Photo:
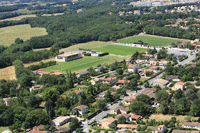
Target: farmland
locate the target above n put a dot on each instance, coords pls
(118, 50)
(151, 40)
(19, 17)
(82, 64)
(8, 73)
(9, 34)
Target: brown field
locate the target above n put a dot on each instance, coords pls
(19, 17)
(162, 117)
(8, 73)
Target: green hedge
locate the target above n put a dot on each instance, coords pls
(94, 114)
(103, 54)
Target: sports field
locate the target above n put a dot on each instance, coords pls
(119, 50)
(9, 34)
(152, 41)
(82, 64)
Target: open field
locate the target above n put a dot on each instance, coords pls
(119, 50)
(3, 129)
(151, 40)
(162, 117)
(8, 73)
(19, 17)
(88, 45)
(9, 34)
(82, 64)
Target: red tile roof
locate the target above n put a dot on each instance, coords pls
(136, 117)
(42, 71)
(181, 83)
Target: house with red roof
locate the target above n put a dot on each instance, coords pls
(179, 85)
(133, 67)
(135, 117)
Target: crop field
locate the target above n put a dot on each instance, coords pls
(9, 34)
(151, 40)
(82, 64)
(119, 50)
(8, 73)
(19, 17)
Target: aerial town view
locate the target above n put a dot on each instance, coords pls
(99, 66)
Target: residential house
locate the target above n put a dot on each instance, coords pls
(42, 72)
(99, 69)
(159, 129)
(163, 63)
(153, 61)
(133, 67)
(184, 131)
(179, 85)
(79, 92)
(137, 12)
(122, 82)
(59, 121)
(148, 70)
(96, 80)
(160, 82)
(184, 44)
(129, 127)
(149, 92)
(113, 76)
(82, 73)
(36, 87)
(135, 117)
(154, 68)
(8, 100)
(129, 100)
(38, 128)
(119, 110)
(109, 80)
(106, 122)
(172, 77)
(194, 125)
(82, 109)
(128, 117)
(102, 94)
(147, 55)
(128, 61)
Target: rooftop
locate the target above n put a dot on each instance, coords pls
(136, 117)
(161, 81)
(108, 120)
(127, 126)
(125, 115)
(81, 107)
(70, 53)
(121, 108)
(78, 91)
(180, 83)
(131, 65)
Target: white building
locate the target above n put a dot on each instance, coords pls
(82, 109)
(133, 67)
(68, 56)
(59, 121)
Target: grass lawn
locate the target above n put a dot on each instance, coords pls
(82, 64)
(9, 34)
(119, 50)
(3, 129)
(152, 41)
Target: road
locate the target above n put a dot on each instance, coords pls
(104, 113)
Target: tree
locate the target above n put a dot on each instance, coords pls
(37, 117)
(146, 85)
(132, 85)
(119, 71)
(139, 107)
(112, 126)
(162, 96)
(182, 106)
(74, 123)
(178, 94)
(101, 104)
(122, 119)
(143, 98)
(18, 41)
(51, 95)
(164, 107)
(195, 108)
(108, 96)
